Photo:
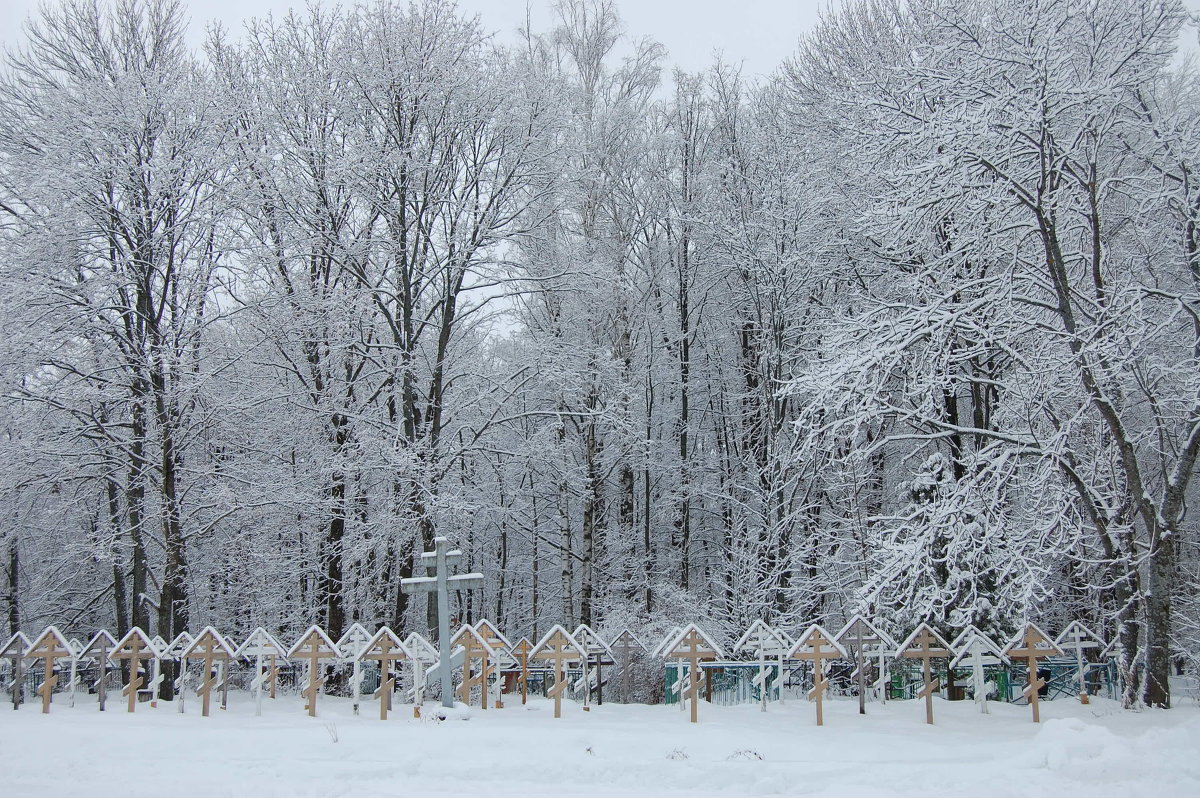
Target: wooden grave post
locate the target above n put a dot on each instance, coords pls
(135, 647)
(660, 652)
(502, 648)
(174, 652)
(14, 649)
(817, 646)
(49, 646)
(351, 645)
(313, 647)
(521, 650)
(156, 675)
(261, 645)
(866, 639)
(627, 647)
(441, 584)
(593, 646)
(1032, 644)
(926, 645)
(98, 649)
(76, 647)
(764, 642)
(559, 647)
(211, 649)
(1076, 638)
(982, 651)
(474, 648)
(386, 649)
(421, 654)
(692, 646)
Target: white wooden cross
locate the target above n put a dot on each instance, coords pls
(156, 675)
(1077, 637)
(351, 645)
(422, 654)
(867, 640)
(76, 647)
(440, 561)
(926, 645)
(1032, 644)
(559, 647)
(49, 646)
(313, 647)
(15, 649)
(983, 651)
(175, 651)
(98, 649)
(764, 642)
(817, 645)
(259, 645)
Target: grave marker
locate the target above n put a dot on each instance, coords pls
(49, 646)
(983, 651)
(174, 651)
(764, 642)
(135, 646)
(1032, 644)
(627, 647)
(351, 645)
(14, 649)
(76, 647)
(474, 648)
(926, 645)
(313, 647)
(212, 650)
(866, 640)
(440, 561)
(262, 645)
(503, 651)
(817, 646)
(592, 645)
(558, 647)
(522, 650)
(1077, 637)
(692, 646)
(98, 649)
(384, 648)
(421, 654)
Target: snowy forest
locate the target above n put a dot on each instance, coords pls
(910, 327)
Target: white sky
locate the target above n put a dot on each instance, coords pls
(757, 33)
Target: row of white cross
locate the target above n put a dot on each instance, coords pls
(859, 640)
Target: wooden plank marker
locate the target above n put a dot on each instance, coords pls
(421, 654)
(764, 642)
(14, 649)
(594, 649)
(1032, 644)
(174, 652)
(505, 659)
(926, 645)
(982, 651)
(134, 647)
(98, 649)
(76, 647)
(558, 647)
(475, 649)
(313, 647)
(386, 649)
(817, 646)
(627, 648)
(521, 650)
(212, 651)
(866, 641)
(265, 650)
(1076, 638)
(693, 647)
(441, 584)
(351, 645)
(49, 647)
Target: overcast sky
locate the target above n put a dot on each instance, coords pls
(758, 33)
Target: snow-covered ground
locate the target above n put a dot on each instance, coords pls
(614, 750)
